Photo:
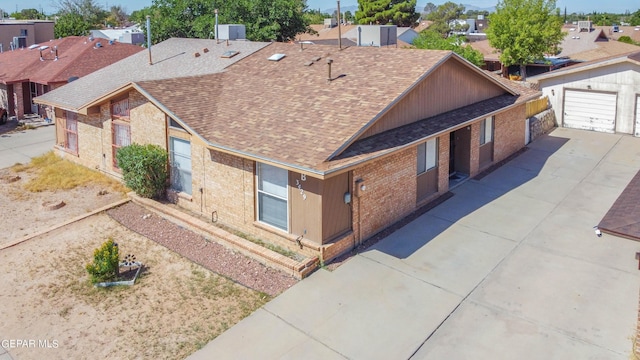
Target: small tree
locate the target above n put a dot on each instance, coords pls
(524, 31)
(106, 262)
(144, 169)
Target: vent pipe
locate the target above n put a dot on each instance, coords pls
(216, 34)
(41, 58)
(149, 38)
(329, 62)
(56, 49)
(339, 28)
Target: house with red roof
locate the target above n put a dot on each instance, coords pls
(312, 148)
(32, 71)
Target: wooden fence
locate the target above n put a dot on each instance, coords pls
(537, 106)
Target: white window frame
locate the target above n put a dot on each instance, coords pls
(185, 188)
(427, 155)
(281, 194)
(71, 131)
(486, 130)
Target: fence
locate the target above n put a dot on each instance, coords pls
(537, 106)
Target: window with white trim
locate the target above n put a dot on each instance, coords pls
(121, 137)
(180, 157)
(71, 131)
(486, 130)
(273, 207)
(427, 155)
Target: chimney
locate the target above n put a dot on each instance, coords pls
(329, 62)
(149, 38)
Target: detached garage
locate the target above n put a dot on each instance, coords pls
(597, 96)
(590, 110)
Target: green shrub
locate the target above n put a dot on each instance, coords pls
(144, 169)
(626, 39)
(106, 261)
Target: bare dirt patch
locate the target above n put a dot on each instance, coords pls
(175, 307)
(25, 213)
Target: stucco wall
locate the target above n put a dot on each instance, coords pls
(623, 79)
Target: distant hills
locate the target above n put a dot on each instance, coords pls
(419, 8)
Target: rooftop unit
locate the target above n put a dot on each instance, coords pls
(377, 35)
(232, 32)
(584, 26)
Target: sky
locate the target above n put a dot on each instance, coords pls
(577, 6)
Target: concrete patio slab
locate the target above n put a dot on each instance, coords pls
(456, 260)
(389, 309)
(269, 333)
(498, 335)
(581, 299)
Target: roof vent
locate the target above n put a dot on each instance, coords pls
(111, 42)
(196, 54)
(98, 45)
(230, 54)
(205, 50)
(277, 57)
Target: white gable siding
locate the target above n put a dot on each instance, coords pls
(623, 79)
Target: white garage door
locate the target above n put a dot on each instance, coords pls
(637, 115)
(590, 110)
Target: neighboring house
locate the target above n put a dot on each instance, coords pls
(27, 73)
(361, 35)
(316, 149)
(601, 95)
(15, 34)
(129, 35)
(580, 44)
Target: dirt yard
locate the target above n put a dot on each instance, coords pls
(48, 308)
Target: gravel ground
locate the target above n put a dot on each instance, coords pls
(196, 248)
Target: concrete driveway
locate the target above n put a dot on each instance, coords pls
(20, 147)
(508, 268)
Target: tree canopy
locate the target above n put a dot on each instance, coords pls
(525, 31)
(383, 12)
(443, 17)
(279, 20)
(430, 39)
(77, 17)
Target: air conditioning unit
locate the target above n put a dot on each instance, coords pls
(19, 42)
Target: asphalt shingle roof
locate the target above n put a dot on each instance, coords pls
(77, 56)
(171, 58)
(287, 111)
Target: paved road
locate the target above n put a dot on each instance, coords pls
(508, 268)
(20, 147)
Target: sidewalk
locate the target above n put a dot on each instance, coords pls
(508, 268)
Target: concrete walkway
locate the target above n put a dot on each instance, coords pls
(509, 268)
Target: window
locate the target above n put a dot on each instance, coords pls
(71, 131)
(273, 196)
(427, 155)
(180, 153)
(120, 109)
(121, 133)
(486, 130)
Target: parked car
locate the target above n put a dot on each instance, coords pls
(3, 116)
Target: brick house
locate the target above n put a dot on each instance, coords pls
(35, 70)
(315, 149)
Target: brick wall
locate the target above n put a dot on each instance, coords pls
(390, 192)
(474, 167)
(18, 99)
(509, 132)
(148, 123)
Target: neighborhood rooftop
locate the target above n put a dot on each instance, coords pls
(172, 58)
(309, 119)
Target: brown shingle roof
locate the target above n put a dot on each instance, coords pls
(287, 111)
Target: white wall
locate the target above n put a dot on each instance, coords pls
(623, 79)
